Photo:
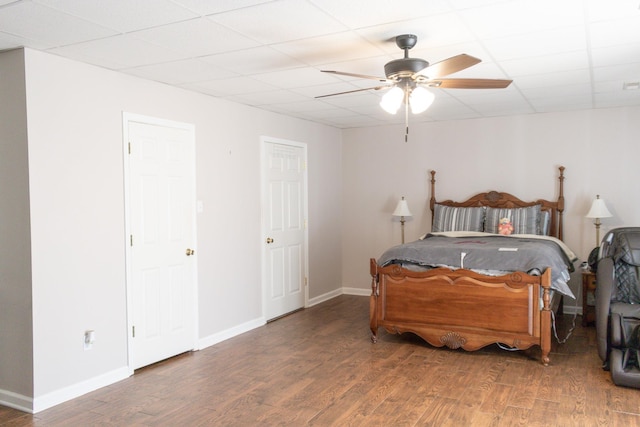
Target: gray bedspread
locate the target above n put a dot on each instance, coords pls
(490, 254)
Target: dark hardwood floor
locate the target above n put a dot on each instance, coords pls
(318, 367)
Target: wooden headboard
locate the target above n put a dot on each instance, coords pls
(496, 199)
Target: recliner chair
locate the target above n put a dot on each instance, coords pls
(618, 305)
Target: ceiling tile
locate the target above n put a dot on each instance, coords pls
(269, 97)
(261, 59)
(558, 103)
(326, 89)
(196, 37)
(566, 39)
(470, 4)
(328, 112)
(450, 109)
(565, 61)
(616, 55)
(302, 20)
(302, 106)
(552, 80)
(9, 41)
(125, 50)
(322, 49)
(433, 33)
(208, 7)
(608, 86)
(616, 32)
(616, 99)
(180, 72)
(44, 25)
(296, 77)
(518, 17)
(365, 13)
(354, 100)
(629, 72)
(233, 86)
(123, 15)
(373, 67)
(568, 90)
(598, 10)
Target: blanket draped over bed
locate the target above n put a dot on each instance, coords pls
(490, 254)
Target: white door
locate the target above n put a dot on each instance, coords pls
(161, 241)
(284, 227)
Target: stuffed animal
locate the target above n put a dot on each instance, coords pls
(505, 227)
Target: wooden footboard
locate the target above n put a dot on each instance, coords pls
(461, 308)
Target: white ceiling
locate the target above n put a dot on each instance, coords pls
(561, 54)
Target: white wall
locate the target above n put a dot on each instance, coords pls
(518, 154)
(77, 212)
(76, 202)
(16, 337)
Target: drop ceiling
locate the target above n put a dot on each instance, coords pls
(561, 54)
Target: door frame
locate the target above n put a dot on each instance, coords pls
(263, 203)
(148, 120)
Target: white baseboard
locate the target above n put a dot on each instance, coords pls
(16, 401)
(325, 297)
(230, 333)
(356, 291)
(337, 293)
(71, 392)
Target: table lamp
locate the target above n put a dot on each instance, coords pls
(402, 210)
(598, 210)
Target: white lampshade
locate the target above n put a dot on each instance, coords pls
(420, 99)
(598, 209)
(392, 100)
(402, 209)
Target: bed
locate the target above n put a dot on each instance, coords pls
(457, 302)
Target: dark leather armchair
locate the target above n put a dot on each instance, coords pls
(618, 305)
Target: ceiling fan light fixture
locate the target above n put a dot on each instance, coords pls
(420, 99)
(392, 100)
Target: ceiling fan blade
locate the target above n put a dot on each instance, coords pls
(469, 83)
(362, 76)
(352, 91)
(448, 66)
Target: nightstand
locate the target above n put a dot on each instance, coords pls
(588, 297)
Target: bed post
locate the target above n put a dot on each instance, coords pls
(561, 202)
(432, 201)
(545, 317)
(373, 300)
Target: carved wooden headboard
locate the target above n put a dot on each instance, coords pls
(498, 199)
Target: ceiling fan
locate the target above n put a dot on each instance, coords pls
(407, 79)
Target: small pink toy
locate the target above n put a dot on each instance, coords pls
(505, 227)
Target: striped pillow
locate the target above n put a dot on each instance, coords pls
(545, 223)
(524, 220)
(447, 218)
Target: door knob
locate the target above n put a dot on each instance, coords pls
(190, 252)
(269, 240)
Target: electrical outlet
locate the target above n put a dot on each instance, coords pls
(89, 339)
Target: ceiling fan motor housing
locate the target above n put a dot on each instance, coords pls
(405, 67)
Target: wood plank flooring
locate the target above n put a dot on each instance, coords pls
(317, 367)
